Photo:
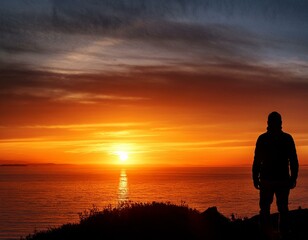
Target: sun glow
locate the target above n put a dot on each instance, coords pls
(121, 153)
(123, 156)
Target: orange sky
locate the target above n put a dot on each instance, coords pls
(159, 116)
(179, 84)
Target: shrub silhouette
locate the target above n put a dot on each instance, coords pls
(162, 221)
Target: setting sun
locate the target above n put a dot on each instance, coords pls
(123, 153)
(123, 156)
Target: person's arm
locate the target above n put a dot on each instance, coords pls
(293, 164)
(256, 166)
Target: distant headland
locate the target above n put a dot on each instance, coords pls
(14, 165)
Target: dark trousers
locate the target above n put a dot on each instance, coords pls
(281, 191)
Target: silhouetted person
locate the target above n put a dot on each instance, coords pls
(275, 171)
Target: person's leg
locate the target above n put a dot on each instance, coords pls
(266, 199)
(282, 199)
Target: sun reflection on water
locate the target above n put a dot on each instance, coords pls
(123, 187)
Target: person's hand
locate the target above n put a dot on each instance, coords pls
(256, 183)
(292, 183)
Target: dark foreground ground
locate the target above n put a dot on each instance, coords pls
(168, 221)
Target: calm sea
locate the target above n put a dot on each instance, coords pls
(36, 197)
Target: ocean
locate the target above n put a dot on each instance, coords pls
(38, 197)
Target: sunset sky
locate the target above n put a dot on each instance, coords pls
(150, 81)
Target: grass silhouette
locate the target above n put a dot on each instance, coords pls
(163, 221)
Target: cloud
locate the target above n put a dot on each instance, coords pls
(93, 126)
(44, 33)
(141, 83)
(155, 57)
(112, 15)
(221, 87)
